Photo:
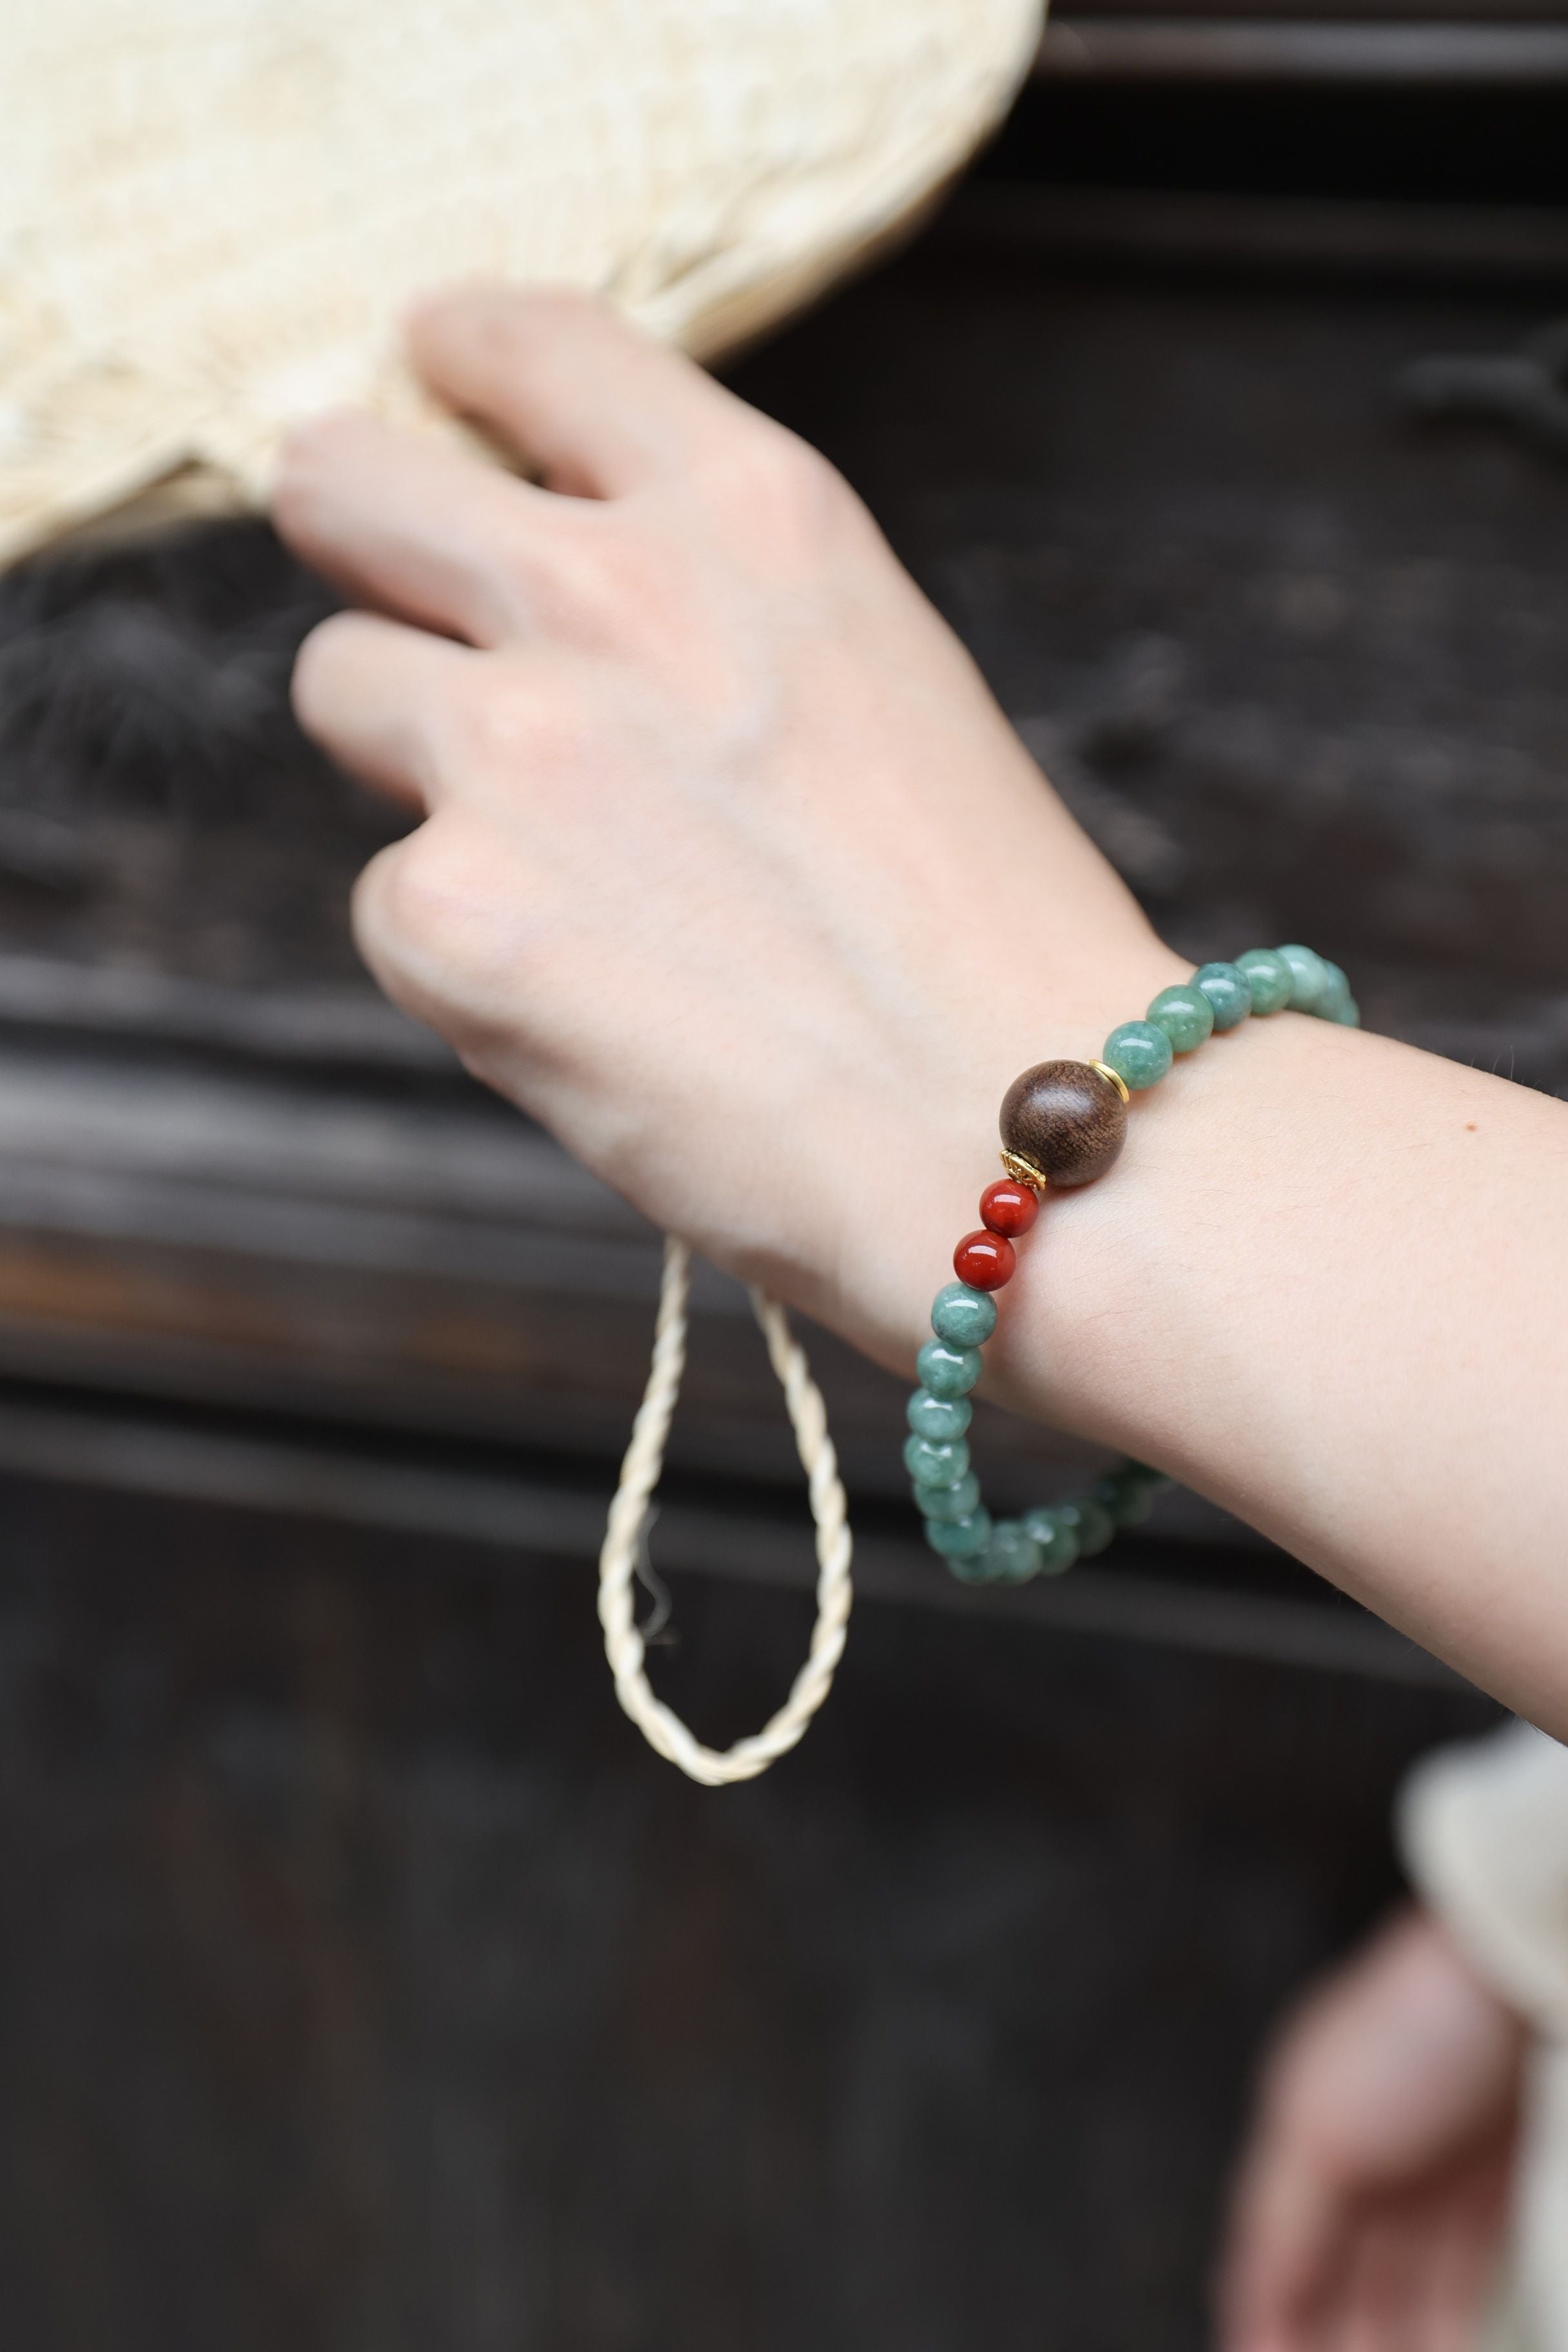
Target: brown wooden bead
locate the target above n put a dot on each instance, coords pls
(1065, 1119)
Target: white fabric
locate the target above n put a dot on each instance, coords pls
(212, 211)
(1484, 1829)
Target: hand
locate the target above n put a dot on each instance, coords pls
(1370, 2204)
(730, 871)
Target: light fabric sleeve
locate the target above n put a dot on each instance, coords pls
(1483, 1830)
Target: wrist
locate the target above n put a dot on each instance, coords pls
(993, 1023)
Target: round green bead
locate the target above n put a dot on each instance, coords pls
(1185, 1015)
(1091, 1523)
(1269, 978)
(936, 1465)
(1138, 1054)
(1335, 990)
(1057, 1541)
(955, 1502)
(971, 1568)
(963, 1316)
(947, 1371)
(961, 1539)
(1013, 1556)
(1347, 1013)
(1309, 977)
(1127, 1494)
(1228, 991)
(941, 1419)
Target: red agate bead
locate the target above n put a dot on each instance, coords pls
(1008, 1208)
(985, 1260)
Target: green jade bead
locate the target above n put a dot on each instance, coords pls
(960, 1538)
(1185, 1015)
(1336, 1002)
(971, 1568)
(1335, 989)
(940, 1419)
(1228, 991)
(1128, 1495)
(963, 1316)
(1091, 1523)
(936, 1465)
(1309, 977)
(956, 1502)
(1012, 1555)
(1269, 978)
(1056, 1540)
(1138, 1054)
(947, 1371)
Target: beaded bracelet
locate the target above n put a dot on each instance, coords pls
(1063, 1123)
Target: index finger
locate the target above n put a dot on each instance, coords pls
(599, 406)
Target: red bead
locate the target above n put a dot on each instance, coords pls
(985, 1260)
(1008, 1208)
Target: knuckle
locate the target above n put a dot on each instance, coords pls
(415, 903)
(415, 894)
(536, 307)
(626, 585)
(313, 454)
(507, 324)
(499, 729)
(317, 665)
(443, 919)
(780, 489)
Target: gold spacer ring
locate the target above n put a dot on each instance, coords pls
(1023, 1172)
(1115, 1077)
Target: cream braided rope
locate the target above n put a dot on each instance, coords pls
(660, 1726)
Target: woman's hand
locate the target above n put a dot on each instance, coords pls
(1370, 2206)
(730, 872)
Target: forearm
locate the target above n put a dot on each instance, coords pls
(1324, 1285)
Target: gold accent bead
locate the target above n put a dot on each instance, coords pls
(1023, 1172)
(1117, 1080)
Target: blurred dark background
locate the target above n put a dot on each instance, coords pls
(365, 1984)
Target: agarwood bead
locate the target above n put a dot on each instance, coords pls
(1065, 1119)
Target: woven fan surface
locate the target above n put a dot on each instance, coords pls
(212, 211)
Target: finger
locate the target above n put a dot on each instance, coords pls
(403, 521)
(1386, 2291)
(1284, 2253)
(1468, 2229)
(368, 690)
(597, 406)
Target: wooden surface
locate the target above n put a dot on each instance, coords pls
(367, 1985)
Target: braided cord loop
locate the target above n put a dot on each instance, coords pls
(660, 1724)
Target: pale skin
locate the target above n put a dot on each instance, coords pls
(733, 874)
(1371, 2201)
